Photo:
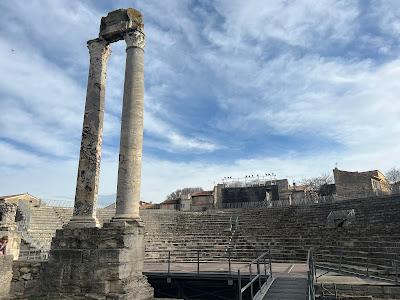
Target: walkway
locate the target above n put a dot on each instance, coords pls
(287, 288)
(278, 269)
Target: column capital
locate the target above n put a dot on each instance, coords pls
(99, 48)
(135, 38)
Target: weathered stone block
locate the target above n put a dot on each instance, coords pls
(114, 262)
(118, 22)
(5, 274)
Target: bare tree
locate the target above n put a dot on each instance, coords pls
(315, 183)
(393, 175)
(183, 192)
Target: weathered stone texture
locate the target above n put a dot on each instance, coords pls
(360, 184)
(8, 228)
(7, 215)
(5, 275)
(26, 281)
(90, 153)
(130, 157)
(114, 26)
(105, 262)
(340, 218)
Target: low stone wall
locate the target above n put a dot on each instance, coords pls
(357, 291)
(5, 275)
(26, 279)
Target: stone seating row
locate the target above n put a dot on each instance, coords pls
(288, 230)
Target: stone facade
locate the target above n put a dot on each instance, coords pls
(26, 197)
(360, 184)
(5, 275)
(201, 201)
(8, 228)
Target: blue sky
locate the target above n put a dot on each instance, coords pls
(232, 88)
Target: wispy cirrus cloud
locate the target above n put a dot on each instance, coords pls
(231, 88)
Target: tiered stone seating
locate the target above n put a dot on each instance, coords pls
(372, 239)
(43, 223)
(184, 233)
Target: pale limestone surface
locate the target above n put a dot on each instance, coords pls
(5, 275)
(8, 228)
(90, 153)
(130, 157)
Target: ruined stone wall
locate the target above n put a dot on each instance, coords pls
(360, 184)
(5, 275)
(8, 228)
(200, 203)
(352, 184)
(26, 279)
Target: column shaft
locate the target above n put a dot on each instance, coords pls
(130, 157)
(90, 153)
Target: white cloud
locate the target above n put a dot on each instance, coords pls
(303, 23)
(271, 75)
(387, 13)
(51, 179)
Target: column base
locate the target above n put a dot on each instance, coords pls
(125, 220)
(82, 222)
(97, 263)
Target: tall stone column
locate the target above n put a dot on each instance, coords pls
(90, 153)
(130, 157)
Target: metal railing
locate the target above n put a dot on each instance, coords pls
(197, 257)
(258, 278)
(311, 275)
(364, 267)
(66, 203)
(232, 229)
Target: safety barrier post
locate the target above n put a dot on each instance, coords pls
(270, 262)
(265, 270)
(239, 285)
(251, 283)
(198, 261)
(258, 274)
(169, 261)
(229, 261)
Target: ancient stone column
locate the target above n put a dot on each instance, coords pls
(130, 157)
(90, 153)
